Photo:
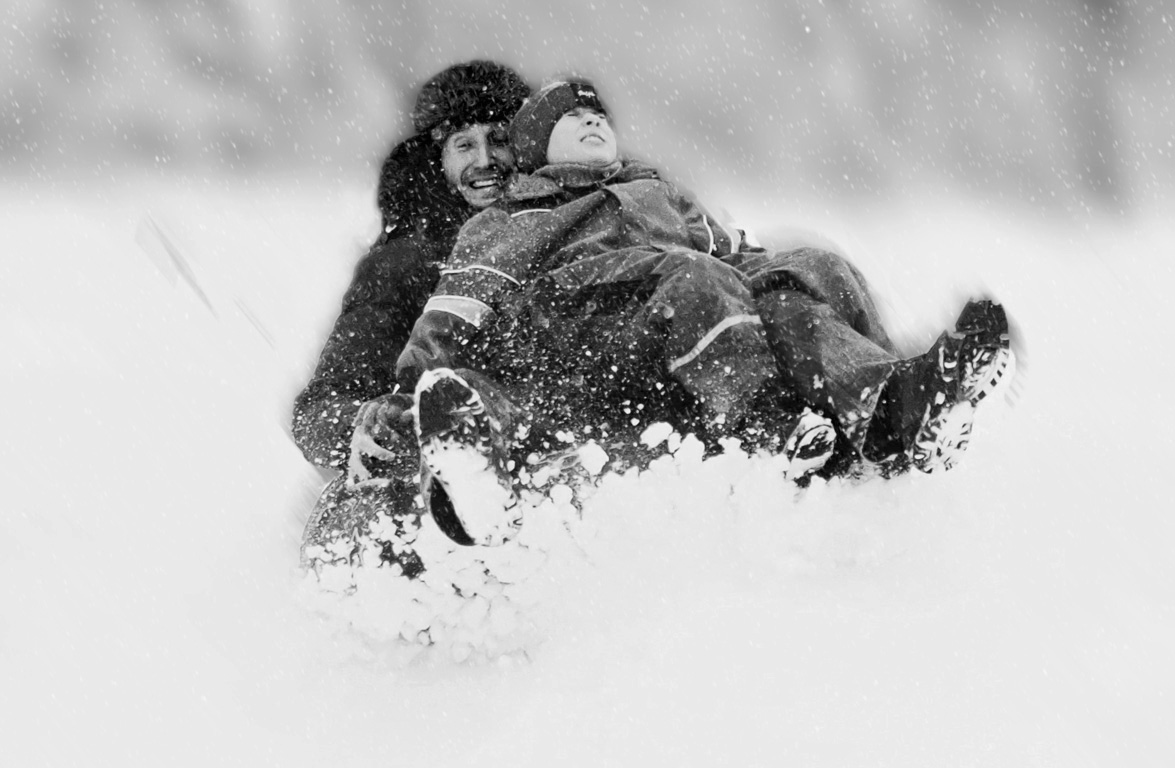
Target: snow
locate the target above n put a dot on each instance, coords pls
(1018, 610)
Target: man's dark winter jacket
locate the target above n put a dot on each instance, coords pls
(388, 292)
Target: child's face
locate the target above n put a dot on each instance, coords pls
(582, 136)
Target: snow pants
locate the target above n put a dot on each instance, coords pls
(627, 338)
(692, 312)
(682, 337)
(825, 331)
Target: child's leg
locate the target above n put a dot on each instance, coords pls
(714, 341)
(717, 349)
(824, 328)
(924, 415)
(826, 333)
(697, 320)
(697, 325)
(824, 360)
(823, 275)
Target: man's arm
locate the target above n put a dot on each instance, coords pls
(358, 362)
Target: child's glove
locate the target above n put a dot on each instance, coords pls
(382, 443)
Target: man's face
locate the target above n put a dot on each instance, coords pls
(583, 136)
(477, 162)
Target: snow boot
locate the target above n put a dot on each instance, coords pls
(926, 411)
(467, 485)
(986, 355)
(372, 525)
(811, 439)
(773, 422)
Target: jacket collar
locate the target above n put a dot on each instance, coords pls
(552, 179)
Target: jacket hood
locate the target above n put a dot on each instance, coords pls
(414, 196)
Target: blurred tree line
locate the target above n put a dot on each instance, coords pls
(1046, 102)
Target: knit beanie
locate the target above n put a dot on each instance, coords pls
(530, 130)
(464, 94)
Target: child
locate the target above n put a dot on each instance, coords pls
(588, 223)
(750, 340)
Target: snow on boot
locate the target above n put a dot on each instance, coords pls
(945, 428)
(773, 422)
(372, 525)
(810, 442)
(971, 362)
(985, 357)
(470, 493)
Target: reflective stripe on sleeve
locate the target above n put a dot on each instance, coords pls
(706, 221)
(712, 334)
(470, 310)
(480, 268)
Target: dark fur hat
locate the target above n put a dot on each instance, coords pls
(464, 94)
(413, 194)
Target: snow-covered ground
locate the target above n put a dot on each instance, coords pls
(1019, 610)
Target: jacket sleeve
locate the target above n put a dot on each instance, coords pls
(707, 233)
(358, 361)
(497, 255)
(473, 279)
(492, 258)
(438, 340)
(491, 261)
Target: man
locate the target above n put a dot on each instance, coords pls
(457, 163)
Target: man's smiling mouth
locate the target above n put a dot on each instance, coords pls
(484, 182)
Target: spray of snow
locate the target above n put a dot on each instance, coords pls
(1016, 610)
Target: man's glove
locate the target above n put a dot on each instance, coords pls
(383, 445)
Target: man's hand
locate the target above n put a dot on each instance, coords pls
(382, 434)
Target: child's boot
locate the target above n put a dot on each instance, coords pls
(467, 486)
